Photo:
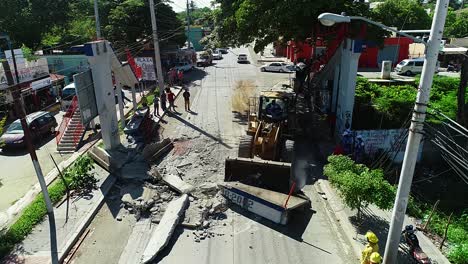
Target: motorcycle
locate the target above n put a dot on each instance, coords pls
(413, 243)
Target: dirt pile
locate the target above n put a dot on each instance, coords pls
(242, 92)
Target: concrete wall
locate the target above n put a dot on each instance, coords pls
(387, 140)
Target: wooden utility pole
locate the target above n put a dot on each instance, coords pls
(461, 115)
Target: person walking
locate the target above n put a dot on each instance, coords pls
(156, 106)
(370, 248)
(186, 95)
(163, 98)
(180, 76)
(171, 99)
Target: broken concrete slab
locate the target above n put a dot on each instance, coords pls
(155, 150)
(208, 188)
(137, 241)
(178, 184)
(161, 236)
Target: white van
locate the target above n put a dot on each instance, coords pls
(411, 66)
(67, 96)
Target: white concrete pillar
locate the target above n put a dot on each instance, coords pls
(134, 102)
(347, 83)
(99, 57)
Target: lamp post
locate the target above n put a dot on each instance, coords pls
(417, 120)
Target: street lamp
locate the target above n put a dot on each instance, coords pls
(330, 19)
(419, 114)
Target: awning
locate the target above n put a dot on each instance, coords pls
(56, 77)
(453, 51)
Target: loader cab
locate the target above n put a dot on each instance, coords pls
(273, 109)
(274, 105)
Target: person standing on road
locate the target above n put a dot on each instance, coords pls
(186, 95)
(171, 99)
(156, 106)
(370, 248)
(180, 76)
(162, 98)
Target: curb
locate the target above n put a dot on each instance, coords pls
(340, 216)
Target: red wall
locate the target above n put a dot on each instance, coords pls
(298, 50)
(368, 58)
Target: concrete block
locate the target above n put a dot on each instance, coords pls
(176, 183)
(161, 236)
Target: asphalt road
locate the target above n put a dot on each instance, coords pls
(311, 237)
(17, 172)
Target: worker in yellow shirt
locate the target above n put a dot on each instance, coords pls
(370, 248)
(375, 258)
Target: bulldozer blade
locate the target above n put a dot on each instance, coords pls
(271, 175)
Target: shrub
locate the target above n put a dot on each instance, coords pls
(81, 178)
(358, 185)
(81, 175)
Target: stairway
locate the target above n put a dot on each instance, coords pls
(73, 133)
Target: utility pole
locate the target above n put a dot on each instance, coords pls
(415, 132)
(157, 55)
(19, 108)
(96, 16)
(188, 25)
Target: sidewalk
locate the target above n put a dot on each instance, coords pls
(8, 216)
(36, 247)
(373, 219)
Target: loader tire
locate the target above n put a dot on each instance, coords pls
(245, 147)
(287, 152)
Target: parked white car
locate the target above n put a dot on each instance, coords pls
(277, 67)
(242, 58)
(412, 66)
(184, 66)
(217, 55)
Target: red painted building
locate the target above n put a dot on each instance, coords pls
(395, 50)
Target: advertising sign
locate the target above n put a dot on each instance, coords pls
(86, 97)
(147, 68)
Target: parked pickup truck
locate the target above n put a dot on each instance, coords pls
(205, 59)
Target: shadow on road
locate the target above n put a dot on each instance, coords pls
(298, 221)
(194, 127)
(240, 118)
(195, 74)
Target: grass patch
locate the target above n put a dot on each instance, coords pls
(457, 234)
(35, 212)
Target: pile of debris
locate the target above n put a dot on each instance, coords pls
(150, 198)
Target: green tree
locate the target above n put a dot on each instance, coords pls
(130, 21)
(26, 21)
(456, 25)
(241, 22)
(358, 185)
(402, 14)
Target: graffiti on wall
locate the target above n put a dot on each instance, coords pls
(392, 140)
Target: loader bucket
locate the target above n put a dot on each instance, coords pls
(271, 175)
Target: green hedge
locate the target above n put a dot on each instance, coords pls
(387, 107)
(358, 185)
